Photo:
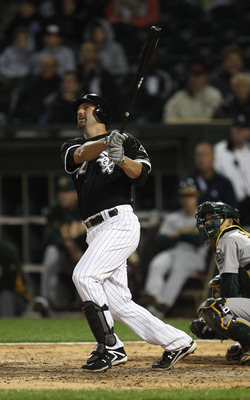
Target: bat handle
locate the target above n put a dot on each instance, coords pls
(124, 122)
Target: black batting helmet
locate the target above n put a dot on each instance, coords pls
(102, 110)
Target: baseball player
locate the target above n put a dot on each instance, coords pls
(229, 315)
(219, 222)
(104, 166)
(181, 255)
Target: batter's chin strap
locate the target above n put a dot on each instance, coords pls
(98, 323)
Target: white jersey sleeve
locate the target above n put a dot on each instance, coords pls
(233, 251)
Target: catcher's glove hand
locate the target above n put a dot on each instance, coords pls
(201, 329)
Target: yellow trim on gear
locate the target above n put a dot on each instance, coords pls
(229, 227)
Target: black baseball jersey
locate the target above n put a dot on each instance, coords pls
(100, 184)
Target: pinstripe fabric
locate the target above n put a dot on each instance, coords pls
(101, 276)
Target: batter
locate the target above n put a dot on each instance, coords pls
(104, 166)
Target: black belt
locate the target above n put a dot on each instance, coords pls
(99, 218)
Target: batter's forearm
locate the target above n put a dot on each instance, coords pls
(89, 151)
(131, 168)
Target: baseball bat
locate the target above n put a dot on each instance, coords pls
(145, 59)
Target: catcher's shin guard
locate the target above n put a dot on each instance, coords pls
(219, 317)
(98, 323)
(234, 352)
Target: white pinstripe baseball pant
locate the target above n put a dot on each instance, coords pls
(101, 276)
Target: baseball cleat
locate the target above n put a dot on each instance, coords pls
(245, 359)
(98, 365)
(117, 356)
(234, 352)
(170, 358)
(100, 360)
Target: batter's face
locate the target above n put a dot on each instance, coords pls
(85, 116)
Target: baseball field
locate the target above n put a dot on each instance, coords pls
(41, 359)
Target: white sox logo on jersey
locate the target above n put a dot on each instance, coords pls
(105, 163)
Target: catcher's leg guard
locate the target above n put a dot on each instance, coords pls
(234, 352)
(98, 323)
(220, 318)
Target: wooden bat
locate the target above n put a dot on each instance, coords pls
(146, 57)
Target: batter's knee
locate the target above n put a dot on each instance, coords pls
(85, 282)
(74, 277)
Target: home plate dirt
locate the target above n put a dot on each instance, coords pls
(57, 366)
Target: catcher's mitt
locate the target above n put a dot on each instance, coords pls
(201, 329)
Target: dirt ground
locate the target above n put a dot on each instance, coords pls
(57, 366)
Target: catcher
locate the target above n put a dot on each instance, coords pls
(226, 314)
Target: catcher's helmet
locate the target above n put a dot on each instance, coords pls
(102, 110)
(213, 212)
(189, 187)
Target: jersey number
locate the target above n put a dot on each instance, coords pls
(82, 170)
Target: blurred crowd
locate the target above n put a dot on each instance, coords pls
(52, 51)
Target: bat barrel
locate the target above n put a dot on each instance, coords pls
(146, 57)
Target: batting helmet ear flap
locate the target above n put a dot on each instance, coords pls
(100, 114)
(102, 109)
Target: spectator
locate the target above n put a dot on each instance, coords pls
(180, 253)
(37, 95)
(26, 16)
(60, 110)
(239, 100)
(130, 20)
(139, 13)
(95, 78)
(157, 87)
(16, 64)
(213, 4)
(14, 295)
(87, 9)
(213, 185)
(71, 18)
(232, 61)
(15, 60)
(48, 10)
(232, 159)
(54, 47)
(64, 244)
(197, 101)
(112, 54)
(5, 100)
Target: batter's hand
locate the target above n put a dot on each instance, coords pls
(116, 154)
(114, 139)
